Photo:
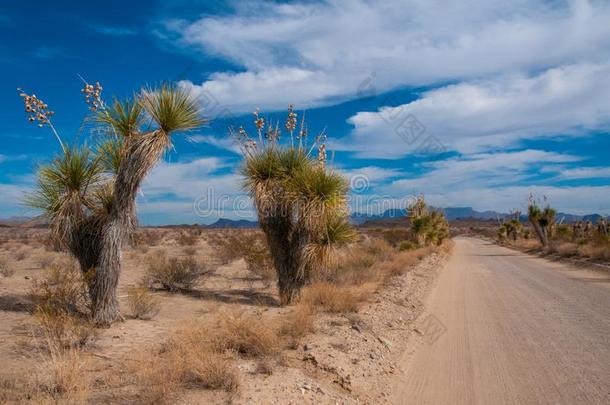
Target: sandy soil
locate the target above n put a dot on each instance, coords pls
(511, 328)
(350, 358)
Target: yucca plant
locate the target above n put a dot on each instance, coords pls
(88, 193)
(428, 226)
(511, 228)
(300, 202)
(542, 219)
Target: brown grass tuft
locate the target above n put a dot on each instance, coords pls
(296, 324)
(142, 303)
(63, 377)
(5, 270)
(174, 274)
(247, 335)
(332, 298)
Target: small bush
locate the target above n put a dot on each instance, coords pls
(62, 331)
(247, 335)
(296, 324)
(174, 274)
(189, 359)
(20, 255)
(142, 304)
(189, 251)
(64, 378)
(5, 270)
(186, 239)
(332, 298)
(407, 245)
(62, 289)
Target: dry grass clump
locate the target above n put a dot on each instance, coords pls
(249, 245)
(599, 252)
(142, 303)
(62, 289)
(247, 335)
(61, 331)
(59, 379)
(566, 249)
(190, 359)
(332, 298)
(63, 377)
(296, 324)
(187, 239)
(189, 251)
(20, 255)
(44, 259)
(146, 237)
(174, 274)
(5, 269)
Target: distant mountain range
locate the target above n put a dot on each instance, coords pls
(357, 218)
(455, 213)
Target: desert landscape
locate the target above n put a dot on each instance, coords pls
(339, 345)
(305, 202)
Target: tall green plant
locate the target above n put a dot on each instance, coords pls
(301, 204)
(542, 218)
(88, 193)
(429, 226)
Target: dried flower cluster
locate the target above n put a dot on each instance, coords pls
(291, 120)
(36, 109)
(269, 134)
(93, 95)
(259, 122)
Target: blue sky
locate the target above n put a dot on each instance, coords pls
(473, 103)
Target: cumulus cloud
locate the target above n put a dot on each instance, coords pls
(489, 114)
(318, 53)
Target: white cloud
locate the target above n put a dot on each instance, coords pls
(320, 52)
(495, 181)
(12, 197)
(489, 114)
(585, 173)
(578, 200)
(476, 171)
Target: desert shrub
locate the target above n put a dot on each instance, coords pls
(407, 245)
(20, 255)
(566, 249)
(142, 303)
(247, 335)
(395, 236)
(189, 251)
(146, 237)
(252, 247)
(296, 324)
(190, 358)
(5, 269)
(186, 239)
(332, 298)
(61, 331)
(174, 274)
(63, 377)
(44, 260)
(62, 289)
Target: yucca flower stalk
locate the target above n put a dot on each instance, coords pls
(542, 219)
(301, 204)
(89, 193)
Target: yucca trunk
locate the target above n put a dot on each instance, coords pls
(541, 232)
(142, 152)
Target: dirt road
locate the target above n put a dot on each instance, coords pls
(508, 328)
